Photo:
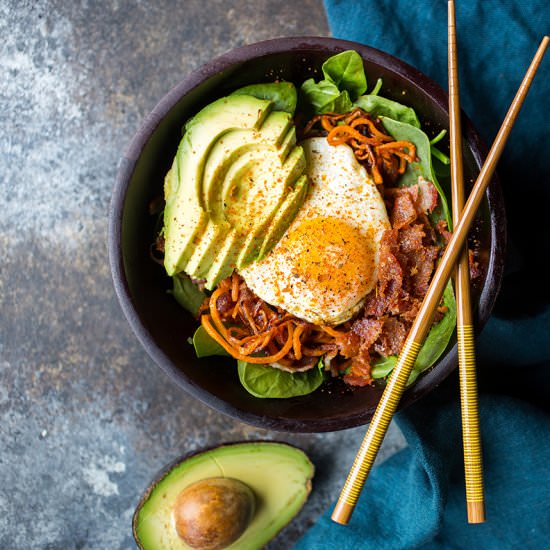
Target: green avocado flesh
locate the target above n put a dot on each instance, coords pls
(278, 474)
(236, 167)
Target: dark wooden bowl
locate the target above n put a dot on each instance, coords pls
(163, 326)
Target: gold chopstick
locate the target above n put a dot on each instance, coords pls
(471, 439)
(398, 379)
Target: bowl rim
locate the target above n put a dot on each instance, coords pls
(431, 379)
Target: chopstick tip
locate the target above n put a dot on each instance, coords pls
(476, 512)
(342, 512)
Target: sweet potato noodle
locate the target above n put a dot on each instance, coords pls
(384, 157)
(251, 330)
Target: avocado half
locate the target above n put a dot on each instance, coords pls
(278, 474)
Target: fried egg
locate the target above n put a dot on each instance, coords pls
(327, 260)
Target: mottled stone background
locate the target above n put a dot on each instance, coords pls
(86, 417)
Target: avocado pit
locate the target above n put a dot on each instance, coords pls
(212, 513)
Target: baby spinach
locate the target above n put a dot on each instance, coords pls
(325, 97)
(205, 345)
(407, 132)
(377, 87)
(344, 81)
(434, 344)
(380, 106)
(436, 153)
(383, 366)
(439, 334)
(282, 94)
(187, 294)
(269, 382)
(263, 380)
(346, 71)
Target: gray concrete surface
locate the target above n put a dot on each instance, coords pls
(86, 417)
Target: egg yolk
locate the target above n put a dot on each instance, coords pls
(333, 256)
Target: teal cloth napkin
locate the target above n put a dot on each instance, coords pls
(416, 499)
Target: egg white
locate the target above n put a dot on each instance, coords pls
(327, 260)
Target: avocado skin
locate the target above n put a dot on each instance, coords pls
(250, 446)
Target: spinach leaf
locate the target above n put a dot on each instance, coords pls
(380, 106)
(438, 138)
(407, 132)
(344, 80)
(268, 382)
(383, 366)
(187, 293)
(205, 345)
(440, 161)
(325, 97)
(263, 380)
(282, 94)
(341, 104)
(434, 344)
(377, 87)
(441, 169)
(346, 71)
(439, 334)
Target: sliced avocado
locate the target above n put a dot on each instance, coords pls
(205, 250)
(171, 180)
(236, 165)
(282, 94)
(229, 147)
(292, 170)
(242, 178)
(246, 202)
(210, 257)
(288, 144)
(275, 127)
(294, 166)
(217, 251)
(216, 119)
(184, 216)
(284, 216)
(254, 187)
(180, 232)
(278, 495)
(225, 261)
